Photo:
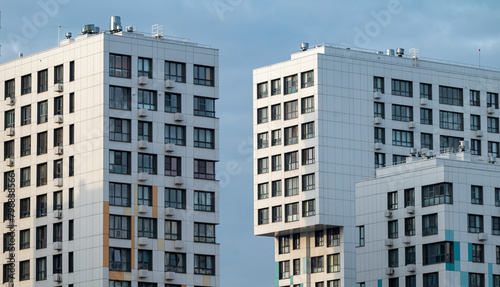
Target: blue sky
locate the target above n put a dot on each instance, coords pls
(256, 33)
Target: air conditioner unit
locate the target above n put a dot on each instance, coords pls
(178, 180)
(142, 241)
(424, 101)
(58, 214)
(11, 132)
(143, 80)
(429, 154)
(379, 146)
(377, 120)
(411, 125)
(58, 150)
(377, 95)
(57, 245)
(411, 268)
(491, 110)
(142, 208)
(406, 239)
(413, 151)
(410, 209)
(169, 275)
(143, 144)
(142, 113)
(58, 119)
(58, 278)
(463, 145)
(9, 162)
(142, 273)
(178, 244)
(11, 101)
(169, 147)
(169, 211)
(58, 182)
(482, 236)
(169, 84)
(142, 176)
(389, 242)
(479, 133)
(387, 213)
(389, 271)
(492, 159)
(178, 117)
(58, 88)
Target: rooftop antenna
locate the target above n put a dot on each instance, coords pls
(157, 31)
(59, 34)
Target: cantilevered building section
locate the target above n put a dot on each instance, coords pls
(330, 116)
(111, 142)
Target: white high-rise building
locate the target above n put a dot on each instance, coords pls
(109, 144)
(327, 118)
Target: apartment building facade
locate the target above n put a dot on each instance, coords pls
(110, 142)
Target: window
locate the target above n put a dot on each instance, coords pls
(410, 226)
(175, 198)
(492, 125)
(175, 71)
(379, 135)
(291, 110)
(441, 193)
(8, 149)
(291, 212)
(309, 208)
(204, 169)
(145, 68)
(144, 195)
(440, 252)
(475, 122)
(393, 229)
(409, 197)
(24, 239)
(431, 280)
(450, 96)
(58, 200)
(296, 266)
(24, 210)
(291, 161)
(430, 224)
(496, 280)
(263, 216)
(206, 107)
(333, 237)
(119, 194)
(497, 196)
(119, 98)
(42, 112)
(276, 188)
(147, 163)
(333, 263)
(58, 105)
(41, 237)
(204, 138)
(71, 103)
(119, 130)
(119, 66)
(41, 205)
(119, 259)
(308, 182)
(24, 267)
(493, 149)
(204, 201)
(58, 74)
(379, 160)
(475, 223)
(426, 116)
(319, 239)
(203, 75)
(476, 280)
(43, 81)
(392, 200)
(276, 162)
(291, 135)
(402, 138)
(276, 137)
(71, 71)
(262, 91)
(498, 254)
(41, 268)
(317, 264)
(291, 83)
(307, 79)
(175, 134)
(378, 84)
(475, 98)
(393, 258)
(10, 119)
(402, 88)
(449, 143)
(475, 147)
(58, 137)
(25, 176)
(173, 103)
(71, 229)
(175, 262)
(119, 227)
(277, 213)
(334, 283)
(393, 282)
(492, 100)
(308, 130)
(263, 165)
(70, 263)
(262, 140)
(41, 174)
(284, 269)
(119, 162)
(379, 110)
(57, 232)
(495, 225)
(173, 230)
(71, 134)
(26, 115)
(307, 105)
(426, 141)
(146, 227)
(262, 115)
(204, 232)
(426, 91)
(296, 241)
(147, 100)
(291, 186)
(308, 156)
(10, 89)
(402, 113)
(263, 190)
(204, 264)
(478, 253)
(410, 255)
(451, 121)
(476, 194)
(275, 87)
